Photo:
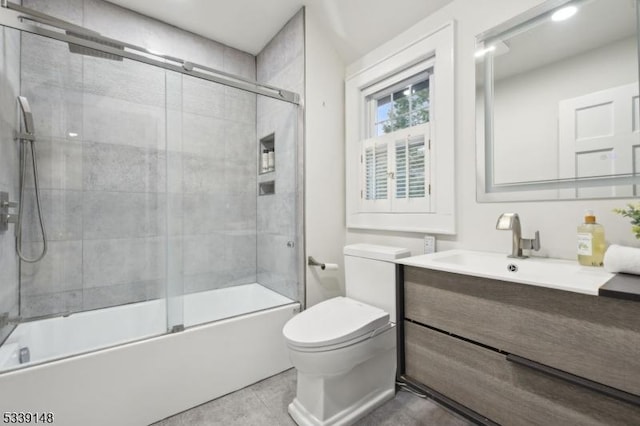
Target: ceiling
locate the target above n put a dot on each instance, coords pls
(546, 42)
(354, 26)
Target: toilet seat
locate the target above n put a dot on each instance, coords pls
(333, 324)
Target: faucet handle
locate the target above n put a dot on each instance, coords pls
(531, 244)
(536, 242)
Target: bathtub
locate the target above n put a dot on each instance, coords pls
(130, 372)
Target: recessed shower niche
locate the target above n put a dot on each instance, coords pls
(267, 157)
(267, 188)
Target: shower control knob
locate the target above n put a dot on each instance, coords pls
(291, 244)
(11, 218)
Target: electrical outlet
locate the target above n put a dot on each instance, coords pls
(429, 244)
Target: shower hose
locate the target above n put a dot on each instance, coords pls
(23, 172)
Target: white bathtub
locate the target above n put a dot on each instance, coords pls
(143, 381)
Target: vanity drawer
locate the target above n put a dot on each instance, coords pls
(593, 337)
(484, 381)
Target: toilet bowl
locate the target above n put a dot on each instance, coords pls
(344, 349)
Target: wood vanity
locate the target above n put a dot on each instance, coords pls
(517, 354)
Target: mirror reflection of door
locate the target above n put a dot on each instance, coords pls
(598, 136)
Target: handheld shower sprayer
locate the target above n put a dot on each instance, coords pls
(27, 115)
(28, 138)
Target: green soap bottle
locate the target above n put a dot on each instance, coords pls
(591, 242)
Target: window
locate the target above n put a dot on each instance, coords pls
(399, 123)
(395, 160)
(402, 106)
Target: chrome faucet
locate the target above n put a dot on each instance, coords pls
(511, 221)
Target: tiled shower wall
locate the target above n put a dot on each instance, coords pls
(281, 63)
(9, 158)
(132, 157)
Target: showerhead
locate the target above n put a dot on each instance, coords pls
(86, 51)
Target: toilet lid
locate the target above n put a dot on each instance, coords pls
(333, 321)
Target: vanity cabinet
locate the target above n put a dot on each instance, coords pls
(520, 354)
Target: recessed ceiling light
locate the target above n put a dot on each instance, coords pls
(73, 134)
(564, 13)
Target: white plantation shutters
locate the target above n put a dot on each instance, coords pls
(376, 175)
(411, 178)
(396, 171)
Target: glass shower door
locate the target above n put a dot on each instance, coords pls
(100, 130)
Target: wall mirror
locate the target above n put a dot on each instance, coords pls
(557, 112)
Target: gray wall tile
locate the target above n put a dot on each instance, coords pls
(61, 213)
(205, 213)
(286, 47)
(175, 214)
(240, 143)
(123, 168)
(121, 261)
(69, 10)
(127, 80)
(59, 270)
(175, 173)
(205, 282)
(203, 135)
(59, 164)
(241, 255)
(119, 122)
(239, 63)
(241, 211)
(203, 174)
(123, 215)
(57, 111)
(240, 106)
(48, 62)
(54, 303)
(202, 97)
(174, 129)
(204, 254)
(120, 294)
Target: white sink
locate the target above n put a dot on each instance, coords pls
(552, 273)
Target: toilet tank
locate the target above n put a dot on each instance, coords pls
(370, 275)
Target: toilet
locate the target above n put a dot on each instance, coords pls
(344, 349)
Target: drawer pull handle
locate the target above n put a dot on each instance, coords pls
(577, 380)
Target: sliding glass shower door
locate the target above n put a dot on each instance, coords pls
(169, 200)
(100, 129)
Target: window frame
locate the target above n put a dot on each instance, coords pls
(393, 59)
(391, 85)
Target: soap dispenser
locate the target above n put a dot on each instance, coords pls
(591, 243)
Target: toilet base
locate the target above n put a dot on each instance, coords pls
(304, 418)
(342, 399)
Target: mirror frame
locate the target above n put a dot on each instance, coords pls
(547, 190)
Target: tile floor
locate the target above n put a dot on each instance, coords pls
(265, 404)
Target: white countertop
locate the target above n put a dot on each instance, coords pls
(558, 274)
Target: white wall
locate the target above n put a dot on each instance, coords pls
(324, 160)
(556, 220)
